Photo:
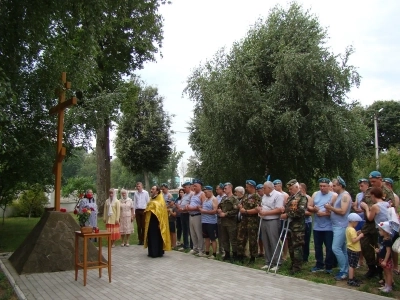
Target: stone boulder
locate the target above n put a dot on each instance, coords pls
(50, 246)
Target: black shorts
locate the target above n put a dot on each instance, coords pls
(172, 226)
(209, 231)
(353, 258)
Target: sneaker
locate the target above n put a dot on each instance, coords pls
(181, 249)
(126, 245)
(211, 257)
(341, 276)
(352, 282)
(122, 245)
(386, 289)
(328, 271)
(276, 268)
(194, 252)
(316, 269)
(264, 267)
(201, 254)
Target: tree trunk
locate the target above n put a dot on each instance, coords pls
(146, 181)
(103, 165)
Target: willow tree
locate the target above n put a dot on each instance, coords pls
(276, 104)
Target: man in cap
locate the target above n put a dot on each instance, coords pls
(248, 227)
(369, 229)
(340, 209)
(260, 192)
(278, 187)
(196, 232)
(322, 231)
(220, 194)
(295, 210)
(227, 210)
(185, 216)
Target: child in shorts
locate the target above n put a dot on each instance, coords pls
(353, 238)
(385, 255)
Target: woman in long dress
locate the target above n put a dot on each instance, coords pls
(126, 218)
(111, 216)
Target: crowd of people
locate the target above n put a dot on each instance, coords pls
(206, 220)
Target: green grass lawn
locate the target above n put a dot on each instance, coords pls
(6, 290)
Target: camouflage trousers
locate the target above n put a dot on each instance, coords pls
(370, 238)
(229, 237)
(248, 230)
(295, 243)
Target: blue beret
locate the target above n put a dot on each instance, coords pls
(259, 186)
(186, 183)
(277, 181)
(341, 181)
(164, 185)
(198, 181)
(362, 180)
(221, 185)
(388, 180)
(251, 182)
(324, 180)
(227, 183)
(208, 188)
(375, 174)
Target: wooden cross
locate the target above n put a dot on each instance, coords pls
(60, 154)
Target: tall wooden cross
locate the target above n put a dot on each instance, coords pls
(60, 154)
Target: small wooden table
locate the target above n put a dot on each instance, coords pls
(99, 264)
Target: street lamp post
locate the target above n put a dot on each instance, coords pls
(376, 138)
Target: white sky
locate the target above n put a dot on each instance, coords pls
(195, 29)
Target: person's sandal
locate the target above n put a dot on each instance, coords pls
(351, 282)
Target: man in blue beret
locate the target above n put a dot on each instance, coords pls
(227, 210)
(185, 221)
(248, 227)
(340, 209)
(369, 229)
(196, 232)
(322, 229)
(220, 194)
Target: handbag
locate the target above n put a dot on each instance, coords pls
(396, 245)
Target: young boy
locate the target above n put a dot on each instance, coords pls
(353, 247)
(385, 255)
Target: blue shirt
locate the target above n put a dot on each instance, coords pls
(194, 202)
(322, 223)
(207, 218)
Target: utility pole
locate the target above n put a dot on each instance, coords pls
(376, 138)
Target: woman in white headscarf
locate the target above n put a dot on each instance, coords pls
(112, 209)
(126, 218)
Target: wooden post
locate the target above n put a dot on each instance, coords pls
(60, 152)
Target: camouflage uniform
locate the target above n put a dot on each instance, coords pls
(295, 209)
(248, 227)
(369, 229)
(229, 205)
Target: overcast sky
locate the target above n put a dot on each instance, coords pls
(195, 29)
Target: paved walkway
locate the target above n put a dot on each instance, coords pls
(175, 276)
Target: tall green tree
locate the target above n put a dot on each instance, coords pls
(96, 42)
(276, 104)
(143, 142)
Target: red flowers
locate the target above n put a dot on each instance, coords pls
(75, 211)
(92, 209)
(84, 210)
(63, 210)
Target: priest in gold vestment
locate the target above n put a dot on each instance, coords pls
(156, 232)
